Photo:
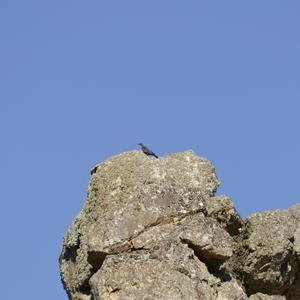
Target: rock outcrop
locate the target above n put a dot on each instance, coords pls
(154, 229)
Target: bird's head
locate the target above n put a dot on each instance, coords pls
(141, 144)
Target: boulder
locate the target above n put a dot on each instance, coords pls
(129, 197)
(267, 253)
(154, 229)
(222, 209)
(169, 271)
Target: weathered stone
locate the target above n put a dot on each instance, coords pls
(137, 193)
(153, 229)
(129, 194)
(260, 296)
(297, 241)
(293, 293)
(222, 209)
(169, 272)
(204, 235)
(208, 240)
(80, 296)
(266, 253)
(230, 290)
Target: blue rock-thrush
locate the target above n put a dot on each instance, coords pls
(147, 151)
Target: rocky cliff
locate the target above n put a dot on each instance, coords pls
(154, 229)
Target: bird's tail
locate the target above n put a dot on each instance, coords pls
(155, 155)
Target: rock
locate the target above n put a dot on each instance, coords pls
(297, 241)
(132, 193)
(230, 290)
(129, 194)
(170, 271)
(266, 256)
(204, 235)
(154, 229)
(260, 296)
(166, 273)
(222, 209)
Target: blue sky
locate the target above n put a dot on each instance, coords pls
(83, 80)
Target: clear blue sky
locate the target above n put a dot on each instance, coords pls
(84, 80)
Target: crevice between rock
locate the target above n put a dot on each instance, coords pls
(213, 262)
(96, 258)
(127, 246)
(70, 253)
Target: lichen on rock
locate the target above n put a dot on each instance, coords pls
(154, 229)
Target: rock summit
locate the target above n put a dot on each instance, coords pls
(154, 229)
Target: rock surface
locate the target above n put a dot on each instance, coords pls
(260, 296)
(154, 229)
(267, 253)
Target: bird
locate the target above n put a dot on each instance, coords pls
(147, 151)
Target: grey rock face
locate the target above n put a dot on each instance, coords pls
(260, 296)
(153, 229)
(167, 272)
(222, 209)
(267, 253)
